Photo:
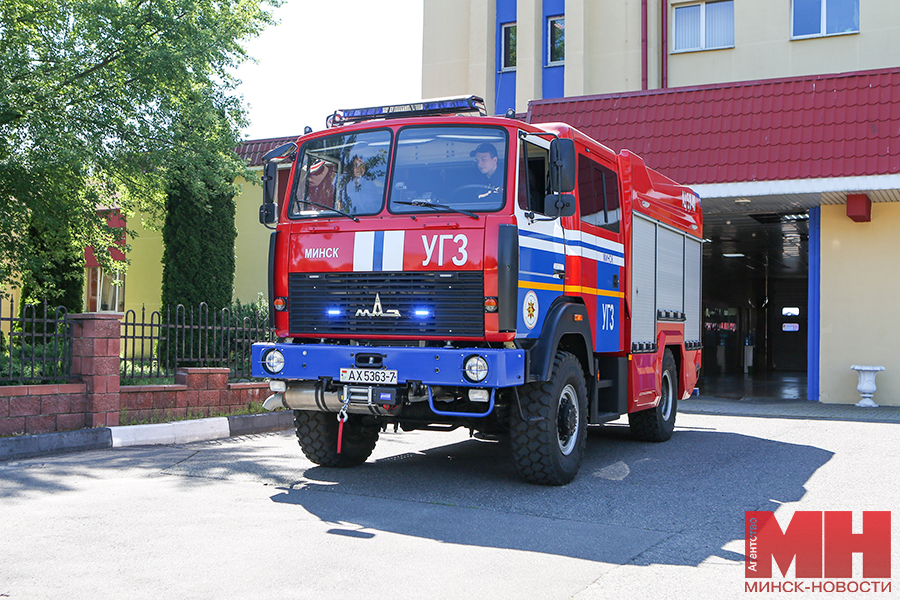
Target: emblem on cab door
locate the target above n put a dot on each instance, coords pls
(377, 311)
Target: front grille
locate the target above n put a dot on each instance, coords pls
(361, 304)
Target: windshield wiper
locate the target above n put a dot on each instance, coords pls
(331, 208)
(437, 207)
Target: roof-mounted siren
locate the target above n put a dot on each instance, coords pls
(465, 105)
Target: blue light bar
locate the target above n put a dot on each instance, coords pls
(440, 106)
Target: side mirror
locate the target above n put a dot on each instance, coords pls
(562, 165)
(268, 214)
(270, 182)
(559, 205)
(279, 152)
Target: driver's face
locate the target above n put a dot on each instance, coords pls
(486, 163)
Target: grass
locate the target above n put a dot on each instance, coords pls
(252, 408)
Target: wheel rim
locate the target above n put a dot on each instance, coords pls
(567, 420)
(665, 401)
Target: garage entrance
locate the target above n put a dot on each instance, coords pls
(755, 300)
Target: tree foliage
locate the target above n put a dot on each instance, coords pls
(93, 97)
(199, 230)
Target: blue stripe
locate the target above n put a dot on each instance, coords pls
(541, 236)
(814, 303)
(378, 252)
(580, 244)
(574, 243)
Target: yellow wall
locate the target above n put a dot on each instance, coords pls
(445, 52)
(859, 299)
(8, 302)
(143, 281)
(251, 248)
(763, 48)
(603, 47)
(613, 51)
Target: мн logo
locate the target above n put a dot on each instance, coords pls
(821, 542)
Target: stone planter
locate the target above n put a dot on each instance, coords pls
(866, 387)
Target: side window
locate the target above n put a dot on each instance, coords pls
(534, 180)
(598, 194)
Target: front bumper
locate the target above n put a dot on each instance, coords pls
(428, 366)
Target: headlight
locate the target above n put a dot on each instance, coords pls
(273, 361)
(475, 368)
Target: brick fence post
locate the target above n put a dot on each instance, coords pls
(96, 339)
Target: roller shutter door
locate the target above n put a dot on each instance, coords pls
(643, 281)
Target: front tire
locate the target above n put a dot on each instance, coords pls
(317, 433)
(548, 444)
(657, 424)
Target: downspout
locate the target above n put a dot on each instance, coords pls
(644, 50)
(664, 50)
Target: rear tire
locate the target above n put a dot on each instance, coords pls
(317, 433)
(657, 424)
(548, 450)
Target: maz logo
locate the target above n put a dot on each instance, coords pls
(377, 311)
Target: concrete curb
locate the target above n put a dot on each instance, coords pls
(27, 446)
(788, 409)
(179, 432)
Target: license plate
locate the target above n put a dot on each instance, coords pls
(375, 376)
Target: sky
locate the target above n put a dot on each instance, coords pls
(325, 55)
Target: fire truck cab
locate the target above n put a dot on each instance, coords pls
(433, 268)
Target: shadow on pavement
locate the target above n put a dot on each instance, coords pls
(676, 503)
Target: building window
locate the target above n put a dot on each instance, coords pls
(816, 18)
(103, 295)
(556, 40)
(704, 26)
(509, 47)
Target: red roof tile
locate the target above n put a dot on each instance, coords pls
(838, 125)
(253, 150)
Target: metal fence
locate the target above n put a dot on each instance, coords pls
(36, 346)
(190, 337)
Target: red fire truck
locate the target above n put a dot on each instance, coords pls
(435, 268)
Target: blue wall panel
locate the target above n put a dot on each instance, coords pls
(814, 309)
(553, 81)
(504, 83)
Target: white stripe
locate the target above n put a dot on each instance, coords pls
(363, 250)
(535, 244)
(824, 185)
(392, 256)
(594, 240)
(595, 255)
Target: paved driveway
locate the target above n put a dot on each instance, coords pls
(431, 515)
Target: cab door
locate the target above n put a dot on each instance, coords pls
(598, 245)
(542, 240)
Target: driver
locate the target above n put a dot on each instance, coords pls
(486, 160)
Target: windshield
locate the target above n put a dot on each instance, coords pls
(455, 168)
(342, 174)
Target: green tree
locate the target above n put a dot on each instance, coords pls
(199, 230)
(92, 98)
